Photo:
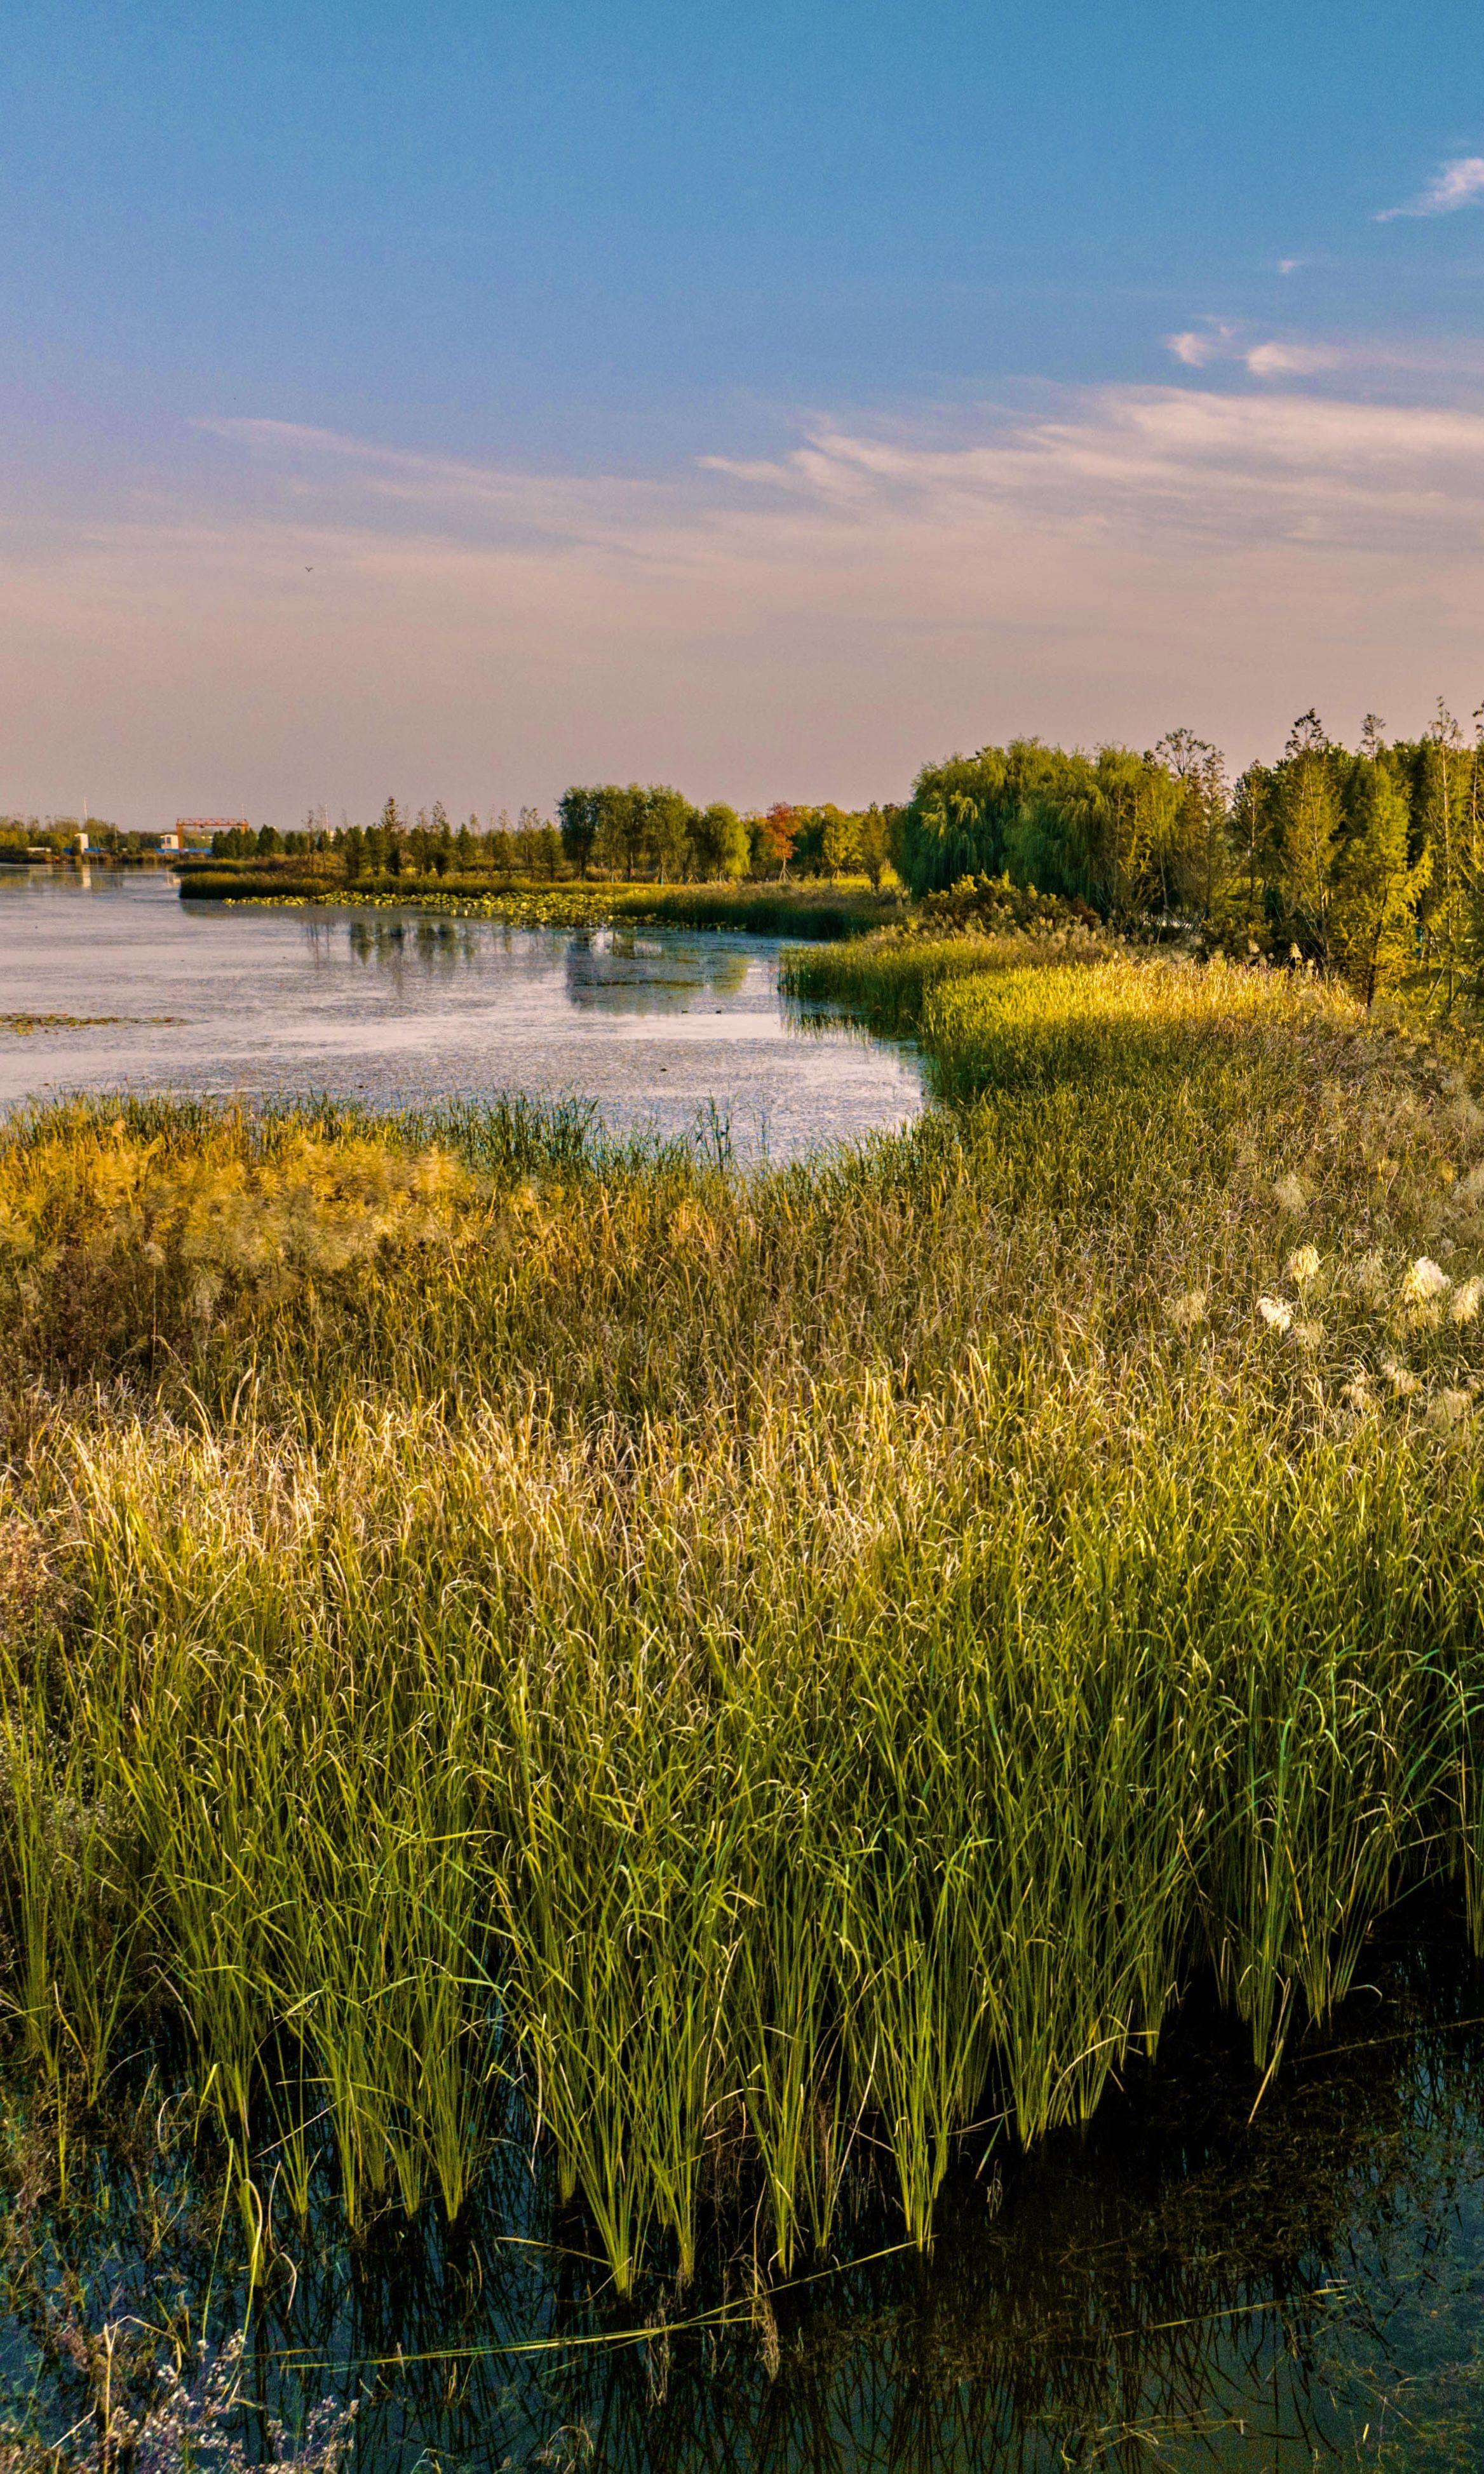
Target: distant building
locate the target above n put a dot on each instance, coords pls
(194, 833)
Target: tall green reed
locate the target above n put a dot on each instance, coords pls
(772, 1667)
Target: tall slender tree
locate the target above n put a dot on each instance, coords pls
(1308, 827)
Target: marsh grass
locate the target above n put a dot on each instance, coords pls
(815, 910)
(751, 1672)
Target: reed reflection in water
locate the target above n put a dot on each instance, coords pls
(1187, 2284)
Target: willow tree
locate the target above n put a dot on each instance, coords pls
(719, 842)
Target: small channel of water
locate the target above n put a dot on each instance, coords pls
(404, 1008)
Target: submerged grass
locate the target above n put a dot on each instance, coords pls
(763, 1669)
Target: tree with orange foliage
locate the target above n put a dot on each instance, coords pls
(774, 838)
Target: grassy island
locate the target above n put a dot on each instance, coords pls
(719, 1681)
(824, 912)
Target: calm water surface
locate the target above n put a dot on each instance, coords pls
(404, 1008)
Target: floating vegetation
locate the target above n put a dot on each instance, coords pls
(25, 1022)
(813, 911)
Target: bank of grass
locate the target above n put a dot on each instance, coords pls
(819, 911)
(982, 924)
(758, 1669)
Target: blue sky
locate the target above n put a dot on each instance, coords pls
(457, 399)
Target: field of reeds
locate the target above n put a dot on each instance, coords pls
(735, 1679)
(821, 911)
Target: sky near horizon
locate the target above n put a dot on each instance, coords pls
(462, 401)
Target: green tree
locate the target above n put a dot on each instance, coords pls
(840, 840)
(441, 834)
(874, 841)
(668, 830)
(1130, 812)
(622, 839)
(1373, 890)
(1249, 908)
(958, 817)
(390, 831)
(580, 815)
(719, 842)
(1308, 830)
(1443, 803)
(1194, 857)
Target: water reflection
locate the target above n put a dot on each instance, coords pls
(402, 949)
(1180, 2283)
(1183, 2285)
(620, 972)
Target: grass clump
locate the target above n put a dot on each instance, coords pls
(749, 1672)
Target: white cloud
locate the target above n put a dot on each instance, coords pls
(1278, 360)
(1291, 357)
(814, 624)
(1458, 182)
(1201, 346)
(1198, 346)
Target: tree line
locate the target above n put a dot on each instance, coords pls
(632, 830)
(1368, 862)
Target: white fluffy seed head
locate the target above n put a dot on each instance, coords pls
(1425, 1279)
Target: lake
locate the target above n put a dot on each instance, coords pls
(402, 1008)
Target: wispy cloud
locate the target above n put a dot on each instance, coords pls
(1278, 360)
(1198, 347)
(1214, 340)
(1218, 342)
(814, 622)
(1458, 182)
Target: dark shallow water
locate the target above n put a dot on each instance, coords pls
(1187, 2285)
(404, 1008)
